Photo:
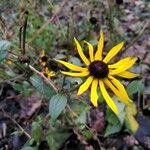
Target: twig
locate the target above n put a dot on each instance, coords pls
(47, 80)
(48, 21)
(12, 79)
(15, 122)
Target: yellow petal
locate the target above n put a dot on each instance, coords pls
(80, 52)
(127, 74)
(94, 95)
(119, 90)
(76, 74)
(46, 70)
(98, 54)
(120, 62)
(71, 66)
(108, 99)
(123, 67)
(130, 119)
(91, 51)
(42, 63)
(113, 52)
(50, 74)
(85, 85)
(120, 87)
(42, 53)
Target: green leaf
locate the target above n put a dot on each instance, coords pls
(141, 87)
(87, 134)
(82, 118)
(73, 81)
(75, 61)
(56, 138)
(41, 87)
(112, 129)
(132, 87)
(51, 142)
(4, 46)
(79, 106)
(22, 88)
(57, 104)
(121, 108)
(18, 87)
(114, 124)
(135, 86)
(37, 130)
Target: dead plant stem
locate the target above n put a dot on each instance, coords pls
(17, 124)
(49, 81)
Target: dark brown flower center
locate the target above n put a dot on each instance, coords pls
(98, 69)
(44, 58)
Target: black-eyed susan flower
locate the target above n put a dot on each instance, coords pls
(100, 74)
(43, 58)
(48, 74)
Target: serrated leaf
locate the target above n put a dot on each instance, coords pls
(46, 90)
(4, 46)
(57, 104)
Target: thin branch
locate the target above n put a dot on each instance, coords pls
(49, 81)
(16, 123)
(12, 79)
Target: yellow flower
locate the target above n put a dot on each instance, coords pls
(48, 73)
(43, 58)
(100, 74)
(43, 61)
(9, 62)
